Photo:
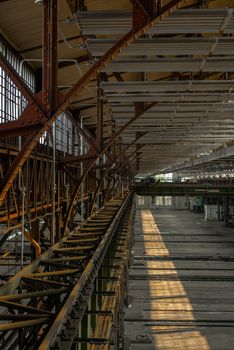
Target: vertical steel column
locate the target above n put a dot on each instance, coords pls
(49, 81)
(143, 11)
(23, 192)
(227, 211)
(99, 130)
(54, 185)
(137, 149)
(114, 153)
(81, 173)
(49, 85)
(219, 209)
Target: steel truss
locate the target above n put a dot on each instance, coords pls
(48, 118)
(56, 191)
(74, 292)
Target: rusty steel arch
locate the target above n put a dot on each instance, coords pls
(92, 162)
(98, 188)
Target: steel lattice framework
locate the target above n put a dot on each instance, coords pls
(154, 93)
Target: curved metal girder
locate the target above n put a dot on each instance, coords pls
(74, 195)
(108, 187)
(98, 188)
(117, 180)
(32, 141)
(100, 183)
(108, 169)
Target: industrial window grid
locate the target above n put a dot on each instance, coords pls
(164, 201)
(67, 138)
(12, 102)
(140, 200)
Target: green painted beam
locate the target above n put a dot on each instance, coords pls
(184, 189)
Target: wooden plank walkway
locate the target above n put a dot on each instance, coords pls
(181, 283)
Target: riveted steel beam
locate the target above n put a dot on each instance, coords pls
(75, 159)
(124, 42)
(29, 121)
(50, 61)
(143, 12)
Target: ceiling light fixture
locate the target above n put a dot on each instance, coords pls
(39, 2)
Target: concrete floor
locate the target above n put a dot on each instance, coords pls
(181, 283)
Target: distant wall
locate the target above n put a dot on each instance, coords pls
(162, 202)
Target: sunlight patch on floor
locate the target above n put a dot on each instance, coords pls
(173, 338)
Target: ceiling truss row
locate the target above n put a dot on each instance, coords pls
(174, 46)
(189, 115)
(181, 111)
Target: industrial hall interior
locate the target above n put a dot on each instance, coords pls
(116, 174)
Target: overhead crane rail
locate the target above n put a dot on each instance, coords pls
(73, 292)
(183, 189)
